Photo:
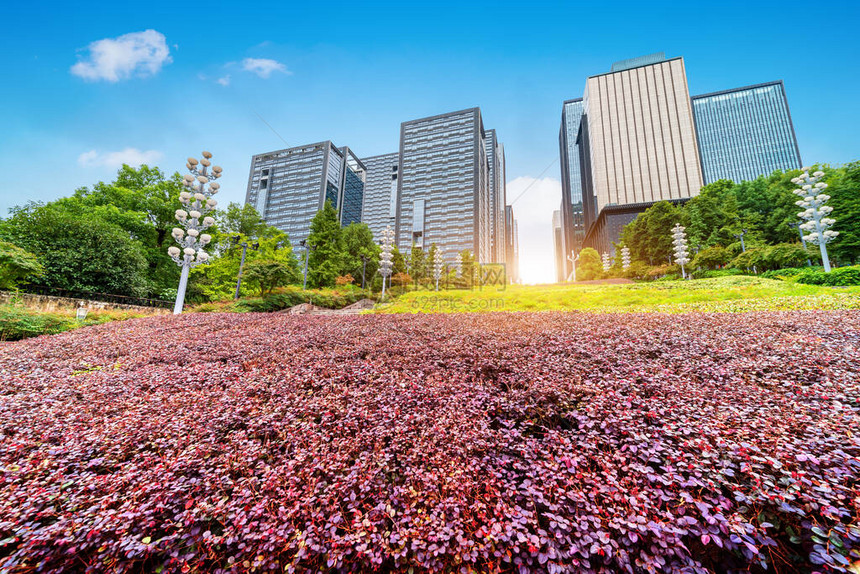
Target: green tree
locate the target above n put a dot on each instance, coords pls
(711, 258)
(417, 263)
(589, 265)
(358, 242)
(327, 258)
(80, 252)
(268, 274)
(142, 202)
(17, 266)
(844, 192)
(241, 220)
(712, 213)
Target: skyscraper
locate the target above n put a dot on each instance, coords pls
(380, 192)
(444, 185)
(745, 132)
(289, 186)
(641, 139)
(512, 248)
(496, 161)
(571, 177)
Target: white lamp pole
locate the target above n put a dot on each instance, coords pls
(606, 263)
(814, 212)
(573, 258)
(385, 256)
(679, 239)
(437, 266)
(199, 202)
(625, 258)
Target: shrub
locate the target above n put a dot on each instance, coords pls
(19, 323)
(712, 273)
(505, 442)
(711, 258)
(291, 296)
(839, 277)
(344, 280)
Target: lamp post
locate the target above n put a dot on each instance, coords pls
(679, 240)
(385, 256)
(199, 202)
(814, 212)
(796, 226)
(625, 258)
(306, 245)
(606, 263)
(437, 266)
(244, 245)
(741, 237)
(363, 268)
(573, 258)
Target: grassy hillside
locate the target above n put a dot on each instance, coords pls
(740, 293)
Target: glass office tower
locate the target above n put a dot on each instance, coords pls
(512, 248)
(380, 192)
(444, 185)
(496, 161)
(571, 178)
(745, 132)
(288, 187)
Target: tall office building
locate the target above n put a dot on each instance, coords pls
(380, 192)
(558, 245)
(745, 132)
(642, 139)
(288, 187)
(512, 247)
(638, 141)
(496, 161)
(444, 185)
(572, 214)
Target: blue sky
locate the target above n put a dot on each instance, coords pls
(351, 72)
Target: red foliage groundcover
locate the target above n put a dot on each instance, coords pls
(516, 442)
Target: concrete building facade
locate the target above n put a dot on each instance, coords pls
(380, 192)
(289, 186)
(444, 185)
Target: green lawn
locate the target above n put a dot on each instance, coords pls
(724, 294)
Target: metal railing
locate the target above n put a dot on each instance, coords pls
(103, 297)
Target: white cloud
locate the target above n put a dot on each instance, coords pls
(114, 59)
(114, 159)
(533, 213)
(263, 67)
(224, 81)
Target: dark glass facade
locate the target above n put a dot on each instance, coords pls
(572, 208)
(745, 132)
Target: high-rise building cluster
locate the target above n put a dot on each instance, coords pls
(636, 137)
(445, 186)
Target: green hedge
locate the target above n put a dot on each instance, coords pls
(712, 273)
(292, 296)
(839, 277)
(19, 323)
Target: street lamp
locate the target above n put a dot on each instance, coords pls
(606, 263)
(244, 245)
(199, 202)
(625, 258)
(814, 211)
(796, 226)
(679, 240)
(437, 266)
(308, 247)
(573, 258)
(385, 256)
